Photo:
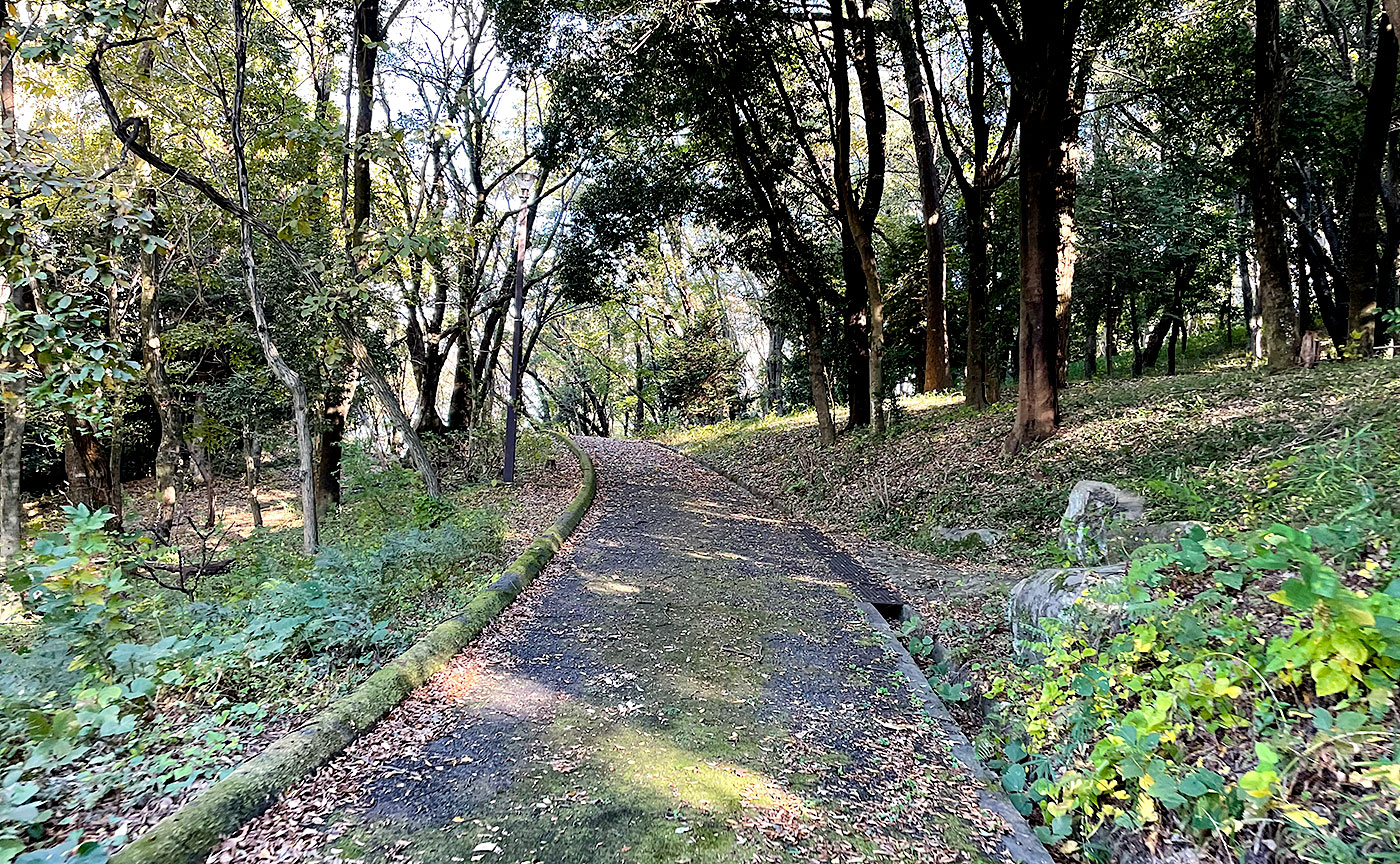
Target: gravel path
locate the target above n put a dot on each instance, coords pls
(690, 681)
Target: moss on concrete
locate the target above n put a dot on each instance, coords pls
(187, 835)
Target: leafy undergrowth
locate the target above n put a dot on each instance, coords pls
(1230, 693)
(1240, 701)
(121, 695)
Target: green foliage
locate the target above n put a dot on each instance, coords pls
(122, 685)
(699, 371)
(1275, 639)
(78, 583)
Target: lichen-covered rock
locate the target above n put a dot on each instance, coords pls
(1056, 593)
(988, 537)
(1099, 516)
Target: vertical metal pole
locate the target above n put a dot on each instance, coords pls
(517, 309)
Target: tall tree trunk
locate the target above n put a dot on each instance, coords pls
(1250, 306)
(13, 396)
(821, 398)
(1275, 294)
(1110, 337)
(87, 463)
(1305, 315)
(640, 390)
(199, 455)
(368, 34)
(330, 444)
(1091, 343)
(773, 368)
(856, 332)
(1136, 321)
(301, 418)
(1156, 339)
(1037, 405)
(975, 390)
(1068, 190)
(860, 214)
(11, 471)
(1363, 226)
(171, 438)
(937, 375)
(365, 40)
(1171, 345)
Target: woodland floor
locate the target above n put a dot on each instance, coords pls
(691, 680)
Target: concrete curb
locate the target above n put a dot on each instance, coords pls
(1021, 844)
(188, 835)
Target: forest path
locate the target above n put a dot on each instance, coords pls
(690, 681)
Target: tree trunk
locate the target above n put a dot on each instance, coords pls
(1275, 294)
(1037, 405)
(641, 392)
(290, 379)
(13, 394)
(330, 443)
(11, 470)
(1156, 339)
(1136, 323)
(252, 472)
(937, 375)
(1068, 253)
(860, 215)
(487, 358)
(857, 335)
(1251, 318)
(1091, 343)
(1363, 225)
(773, 368)
(1110, 338)
(365, 40)
(975, 391)
(199, 454)
(1305, 315)
(88, 464)
(821, 398)
(171, 441)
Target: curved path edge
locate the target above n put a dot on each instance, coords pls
(1021, 844)
(188, 835)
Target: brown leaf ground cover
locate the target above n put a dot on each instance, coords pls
(689, 681)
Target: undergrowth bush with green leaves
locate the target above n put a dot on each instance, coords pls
(1242, 692)
(118, 685)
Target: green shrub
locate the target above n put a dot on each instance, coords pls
(1241, 669)
(123, 685)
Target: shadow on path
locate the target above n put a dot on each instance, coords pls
(690, 681)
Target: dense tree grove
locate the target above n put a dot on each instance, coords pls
(851, 164)
(246, 233)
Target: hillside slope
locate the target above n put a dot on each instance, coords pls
(1233, 449)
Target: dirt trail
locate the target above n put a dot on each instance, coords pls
(690, 681)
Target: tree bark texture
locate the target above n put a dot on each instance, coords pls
(1364, 229)
(1270, 242)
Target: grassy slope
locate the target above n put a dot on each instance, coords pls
(1229, 447)
(1206, 446)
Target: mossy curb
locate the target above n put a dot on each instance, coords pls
(188, 835)
(1020, 844)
